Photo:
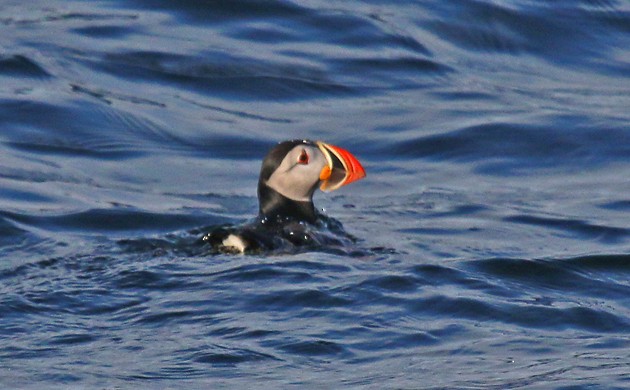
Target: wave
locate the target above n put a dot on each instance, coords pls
(19, 65)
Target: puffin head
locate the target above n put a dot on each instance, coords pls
(293, 170)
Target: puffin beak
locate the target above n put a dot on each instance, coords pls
(342, 168)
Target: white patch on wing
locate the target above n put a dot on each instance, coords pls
(235, 243)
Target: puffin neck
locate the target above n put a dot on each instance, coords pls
(277, 208)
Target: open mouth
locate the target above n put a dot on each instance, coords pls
(343, 168)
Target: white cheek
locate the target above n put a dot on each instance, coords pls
(296, 183)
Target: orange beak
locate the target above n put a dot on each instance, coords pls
(343, 168)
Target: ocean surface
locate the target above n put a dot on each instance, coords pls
(493, 227)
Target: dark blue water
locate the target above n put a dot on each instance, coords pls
(493, 226)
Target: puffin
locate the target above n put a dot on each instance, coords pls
(287, 217)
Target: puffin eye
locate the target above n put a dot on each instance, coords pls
(303, 158)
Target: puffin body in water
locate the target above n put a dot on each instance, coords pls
(290, 174)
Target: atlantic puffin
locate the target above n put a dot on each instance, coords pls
(289, 175)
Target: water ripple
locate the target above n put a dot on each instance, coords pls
(108, 220)
(529, 316)
(227, 75)
(580, 229)
(530, 146)
(21, 66)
